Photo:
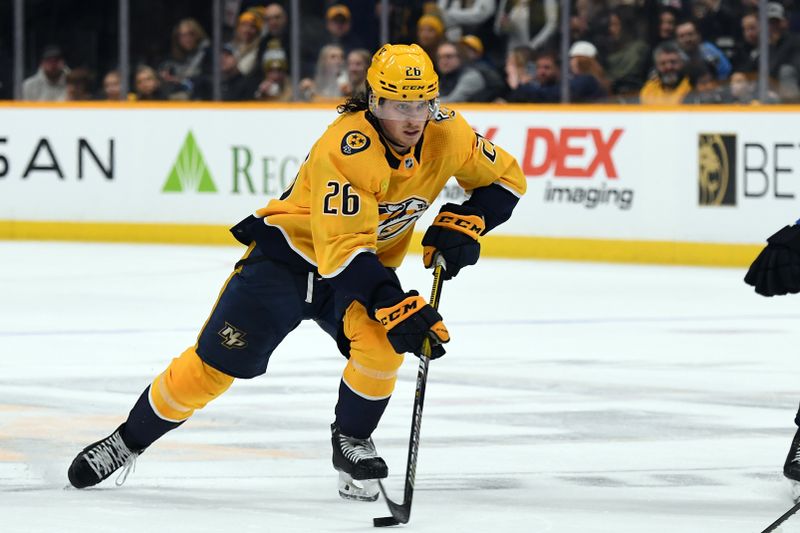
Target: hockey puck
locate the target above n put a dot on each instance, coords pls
(385, 521)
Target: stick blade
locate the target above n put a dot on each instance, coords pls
(385, 521)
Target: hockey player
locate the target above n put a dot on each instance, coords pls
(776, 271)
(326, 251)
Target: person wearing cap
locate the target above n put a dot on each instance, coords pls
(784, 54)
(276, 85)
(328, 250)
(235, 86)
(588, 81)
(430, 33)
(49, 84)
(338, 21)
(246, 39)
(471, 48)
(525, 23)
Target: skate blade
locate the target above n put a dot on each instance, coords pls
(362, 490)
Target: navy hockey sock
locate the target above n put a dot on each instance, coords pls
(144, 426)
(356, 416)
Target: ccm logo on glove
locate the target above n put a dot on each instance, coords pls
(409, 321)
(454, 236)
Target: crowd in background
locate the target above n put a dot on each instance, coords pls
(648, 51)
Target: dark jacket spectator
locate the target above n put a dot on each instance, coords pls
(471, 49)
(430, 34)
(188, 68)
(544, 87)
(236, 87)
(588, 82)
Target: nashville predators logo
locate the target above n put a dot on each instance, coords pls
(353, 142)
(232, 337)
(396, 218)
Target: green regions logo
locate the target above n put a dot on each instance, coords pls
(716, 155)
(189, 173)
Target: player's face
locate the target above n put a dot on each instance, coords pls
(403, 133)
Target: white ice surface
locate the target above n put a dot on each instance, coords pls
(574, 398)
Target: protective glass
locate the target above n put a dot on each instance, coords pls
(386, 109)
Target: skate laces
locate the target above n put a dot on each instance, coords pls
(109, 455)
(356, 450)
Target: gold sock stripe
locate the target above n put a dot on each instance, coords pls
(366, 396)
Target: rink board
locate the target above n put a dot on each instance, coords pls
(699, 185)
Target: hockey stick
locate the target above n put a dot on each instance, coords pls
(402, 511)
(773, 526)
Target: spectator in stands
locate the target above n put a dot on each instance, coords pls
(275, 34)
(625, 55)
(705, 88)
(358, 62)
(701, 53)
(148, 86)
(188, 68)
(670, 84)
(667, 22)
(588, 82)
(526, 23)
(471, 48)
(50, 81)
(276, 86)
(716, 21)
(79, 84)
(457, 82)
(246, 40)
(430, 33)
(589, 21)
(235, 86)
(520, 67)
(112, 86)
(337, 23)
(746, 57)
(465, 16)
(544, 87)
(784, 51)
(331, 76)
(741, 89)
(784, 54)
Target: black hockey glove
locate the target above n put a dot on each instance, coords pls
(776, 270)
(408, 321)
(453, 235)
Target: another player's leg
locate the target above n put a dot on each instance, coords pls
(186, 385)
(791, 468)
(367, 384)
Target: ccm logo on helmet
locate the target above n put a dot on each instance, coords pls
(413, 87)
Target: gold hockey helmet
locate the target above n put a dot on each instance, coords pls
(403, 73)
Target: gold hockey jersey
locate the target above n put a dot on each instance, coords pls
(354, 193)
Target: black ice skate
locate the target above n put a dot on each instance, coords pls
(99, 460)
(359, 466)
(791, 468)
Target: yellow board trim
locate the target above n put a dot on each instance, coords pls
(517, 247)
